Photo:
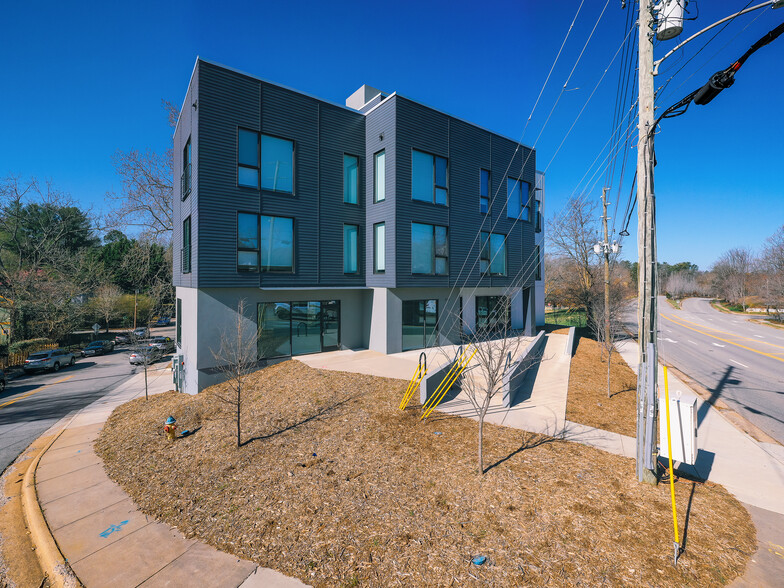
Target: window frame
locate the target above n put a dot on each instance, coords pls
(433, 246)
(356, 157)
(486, 196)
(376, 199)
(356, 253)
(485, 243)
(247, 166)
(376, 249)
(293, 246)
(179, 322)
(538, 261)
(257, 250)
(436, 186)
(293, 165)
(186, 253)
(186, 178)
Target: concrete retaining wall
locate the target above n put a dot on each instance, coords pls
(569, 349)
(514, 376)
(432, 380)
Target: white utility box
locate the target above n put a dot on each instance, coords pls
(683, 427)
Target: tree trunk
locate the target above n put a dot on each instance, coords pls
(481, 456)
(609, 365)
(239, 405)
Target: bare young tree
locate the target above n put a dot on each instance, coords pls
(237, 358)
(773, 265)
(497, 346)
(106, 302)
(731, 275)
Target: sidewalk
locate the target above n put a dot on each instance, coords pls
(101, 533)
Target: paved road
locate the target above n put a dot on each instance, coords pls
(737, 360)
(31, 404)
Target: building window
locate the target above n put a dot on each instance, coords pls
(350, 249)
(420, 323)
(538, 262)
(484, 191)
(297, 328)
(248, 158)
(379, 248)
(178, 318)
(247, 242)
(428, 178)
(429, 250)
(350, 179)
(185, 179)
(492, 259)
(379, 177)
(277, 164)
(185, 252)
(493, 313)
(277, 244)
(538, 216)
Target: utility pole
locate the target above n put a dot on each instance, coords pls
(607, 339)
(646, 247)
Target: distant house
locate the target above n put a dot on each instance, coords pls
(382, 224)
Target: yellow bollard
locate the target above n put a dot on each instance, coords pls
(672, 475)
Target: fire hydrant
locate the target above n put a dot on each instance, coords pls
(170, 428)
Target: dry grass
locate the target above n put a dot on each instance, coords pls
(340, 488)
(587, 402)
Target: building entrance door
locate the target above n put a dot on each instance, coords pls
(330, 325)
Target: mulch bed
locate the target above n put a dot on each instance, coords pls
(587, 402)
(338, 487)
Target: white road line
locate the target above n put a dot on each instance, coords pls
(669, 340)
(692, 342)
(719, 345)
(759, 336)
(739, 363)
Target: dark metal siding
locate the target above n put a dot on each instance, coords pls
(321, 133)
(381, 121)
(468, 149)
(188, 126)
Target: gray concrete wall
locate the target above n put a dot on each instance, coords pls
(433, 380)
(516, 373)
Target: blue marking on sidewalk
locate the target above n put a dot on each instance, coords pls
(112, 529)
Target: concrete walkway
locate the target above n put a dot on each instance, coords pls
(105, 538)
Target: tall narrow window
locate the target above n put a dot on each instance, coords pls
(277, 164)
(350, 249)
(537, 216)
(185, 180)
(178, 318)
(492, 258)
(247, 242)
(484, 191)
(538, 262)
(277, 244)
(429, 249)
(350, 179)
(186, 246)
(379, 248)
(429, 178)
(514, 198)
(379, 177)
(248, 158)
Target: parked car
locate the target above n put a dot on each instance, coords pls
(52, 359)
(2, 380)
(145, 354)
(165, 344)
(163, 321)
(141, 332)
(98, 348)
(121, 338)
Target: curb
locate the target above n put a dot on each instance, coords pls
(52, 561)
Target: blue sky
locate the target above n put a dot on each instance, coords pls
(83, 80)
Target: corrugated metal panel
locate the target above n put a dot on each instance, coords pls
(381, 122)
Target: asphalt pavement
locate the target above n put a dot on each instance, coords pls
(737, 360)
(33, 403)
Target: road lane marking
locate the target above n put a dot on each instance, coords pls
(739, 363)
(692, 342)
(31, 392)
(681, 320)
(759, 336)
(719, 345)
(725, 340)
(669, 340)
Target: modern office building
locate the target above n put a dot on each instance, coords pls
(382, 224)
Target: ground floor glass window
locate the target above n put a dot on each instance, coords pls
(493, 313)
(298, 328)
(420, 319)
